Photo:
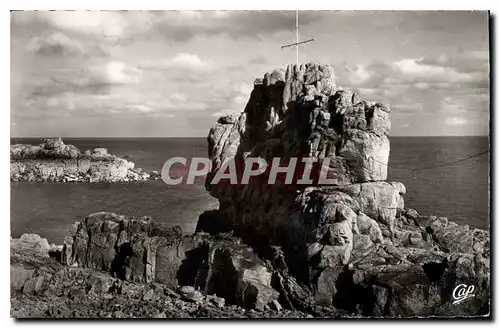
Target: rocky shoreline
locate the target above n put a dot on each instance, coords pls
(113, 266)
(54, 161)
(47, 281)
(347, 250)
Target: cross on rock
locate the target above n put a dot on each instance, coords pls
(296, 43)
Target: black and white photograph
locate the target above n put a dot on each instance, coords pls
(250, 164)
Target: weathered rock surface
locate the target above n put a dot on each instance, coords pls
(115, 266)
(141, 250)
(55, 161)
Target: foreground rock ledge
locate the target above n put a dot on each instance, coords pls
(119, 267)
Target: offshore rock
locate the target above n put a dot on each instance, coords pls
(54, 161)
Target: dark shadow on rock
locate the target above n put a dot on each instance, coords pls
(435, 270)
(194, 268)
(56, 255)
(348, 293)
(213, 222)
(120, 262)
(297, 261)
(224, 277)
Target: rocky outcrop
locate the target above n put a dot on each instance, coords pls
(42, 287)
(144, 251)
(352, 243)
(54, 161)
(146, 268)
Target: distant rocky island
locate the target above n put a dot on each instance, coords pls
(350, 249)
(55, 161)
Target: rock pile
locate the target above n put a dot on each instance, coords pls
(54, 161)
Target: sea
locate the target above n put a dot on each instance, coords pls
(444, 176)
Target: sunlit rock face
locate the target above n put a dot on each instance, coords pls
(300, 112)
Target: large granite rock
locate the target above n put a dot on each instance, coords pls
(300, 112)
(128, 248)
(352, 236)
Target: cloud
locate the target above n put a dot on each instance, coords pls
(225, 112)
(422, 73)
(261, 60)
(100, 23)
(116, 72)
(97, 79)
(229, 97)
(124, 26)
(451, 85)
(417, 70)
(467, 62)
(455, 121)
(451, 105)
(59, 44)
(185, 25)
(181, 61)
(140, 108)
(192, 64)
(240, 93)
(178, 96)
(162, 104)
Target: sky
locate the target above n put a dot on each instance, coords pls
(172, 73)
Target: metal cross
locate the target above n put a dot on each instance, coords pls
(296, 44)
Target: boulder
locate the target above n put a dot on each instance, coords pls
(378, 200)
(53, 143)
(239, 276)
(128, 248)
(19, 276)
(100, 152)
